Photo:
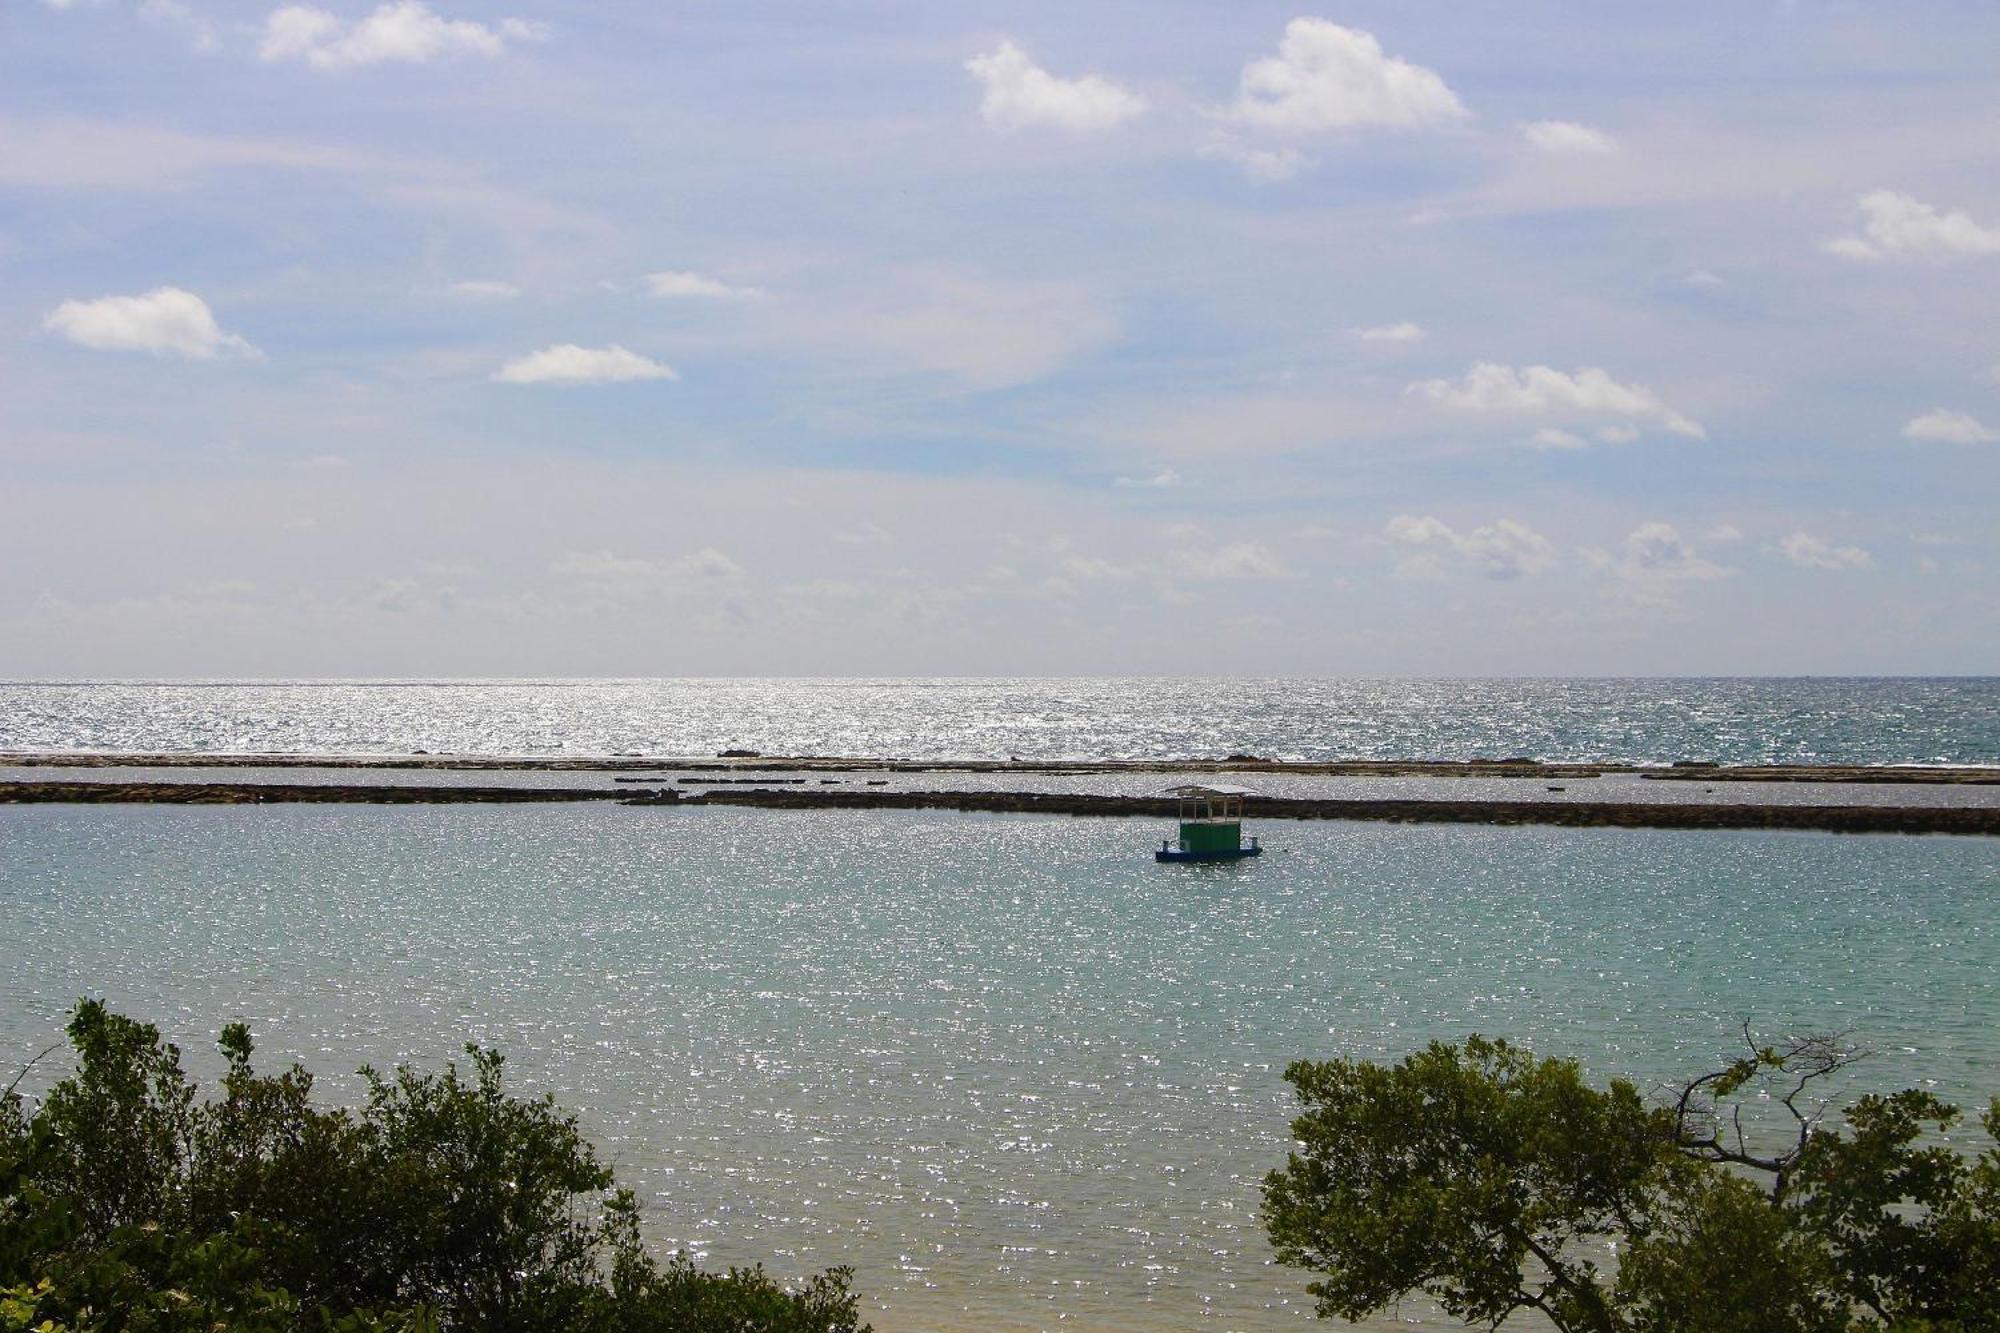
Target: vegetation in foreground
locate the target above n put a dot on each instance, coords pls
(127, 1203)
(1495, 1182)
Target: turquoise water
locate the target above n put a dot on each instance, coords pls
(1812, 720)
(1008, 1067)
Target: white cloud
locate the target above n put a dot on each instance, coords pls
(1327, 77)
(405, 30)
(1724, 532)
(395, 596)
(166, 319)
(1018, 93)
(173, 14)
(1655, 559)
(566, 363)
(487, 289)
(1566, 136)
(864, 534)
(1185, 564)
(1949, 427)
(1657, 550)
(1809, 552)
(638, 574)
(1542, 391)
(1241, 560)
(1158, 481)
(682, 283)
(1550, 437)
(1405, 332)
(1899, 226)
(1093, 569)
(1264, 165)
(300, 32)
(1618, 434)
(1503, 549)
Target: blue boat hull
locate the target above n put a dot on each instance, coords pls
(1220, 854)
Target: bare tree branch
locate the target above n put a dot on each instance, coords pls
(26, 1067)
(1800, 1061)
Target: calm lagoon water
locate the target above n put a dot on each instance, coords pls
(1014, 1072)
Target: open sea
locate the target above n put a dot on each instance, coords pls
(1014, 1072)
(1804, 721)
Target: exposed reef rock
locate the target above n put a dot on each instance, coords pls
(1605, 814)
(1608, 814)
(277, 793)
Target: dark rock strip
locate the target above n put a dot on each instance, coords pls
(428, 762)
(274, 793)
(1592, 814)
(1893, 774)
(1605, 814)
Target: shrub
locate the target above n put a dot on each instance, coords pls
(443, 1203)
(1494, 1181)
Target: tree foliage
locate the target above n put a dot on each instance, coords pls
(1494, 1181)
(128, 1203)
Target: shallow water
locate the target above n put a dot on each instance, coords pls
(1008, 1067)
(1808, 720)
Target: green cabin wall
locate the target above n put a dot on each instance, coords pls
(1215, 837)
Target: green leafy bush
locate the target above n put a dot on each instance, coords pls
(1494, 1182)
(128, 1203)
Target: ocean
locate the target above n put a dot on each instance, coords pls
(1806, 721)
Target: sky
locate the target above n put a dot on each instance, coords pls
(524, 338)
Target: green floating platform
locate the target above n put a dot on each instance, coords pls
(1211, 826)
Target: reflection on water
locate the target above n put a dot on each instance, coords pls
(1010, 1068)
(1812, 720)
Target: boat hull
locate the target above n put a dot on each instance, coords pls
(1208, 854)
